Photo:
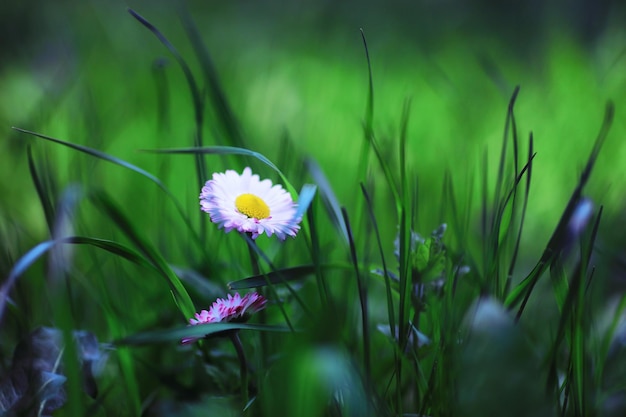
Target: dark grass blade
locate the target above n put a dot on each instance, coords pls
(507, 215)
(459, 226)
(181, 297)
(390, 308)
(316, 257)
(368, 130)
(175, 335)
(362, 290)
(328, 197)
(405, 219)
(162, 92)
(560, 235)
(196, 95)
(224, 113)
(275, 277)
(607, 340)
(28, 259)
(120, 162)
(45, 194)
(529, 166)
(256, 251)
(484, 215)
(509, 124)
(571, 322)
(579, 350)
(404, 288)
(499, 206)
(112, 247)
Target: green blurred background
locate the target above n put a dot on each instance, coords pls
(296, 76)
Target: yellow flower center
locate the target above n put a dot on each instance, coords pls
(252, 206)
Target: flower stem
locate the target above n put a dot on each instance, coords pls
(243, 367)
(256, 270)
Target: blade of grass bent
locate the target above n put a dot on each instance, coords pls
(253, 247)
(275, 277)
(120, 162)
(200, 330)
(225, 115)
(30, 257)
(42, 191)
(222, 150)
(499, 207)
(571, 314)
(531, 156)
(304, 198)
(524, 289)
(362, 291)
(181, 297)
(328, 197)
(198, 104)
(368, 130)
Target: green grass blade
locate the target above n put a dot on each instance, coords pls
(256, 251)
(28, 259)
(531, 156)
(368, 130)
(328, 197)
(120, 162)
(181, 297)
(500, 221)
(224, 150)
(560, 284)
(44, 192)
(98, 154)
(224, 113)
(390, 308)
(198, 104)
(275, 277)
(560, 235)
(362, 291)
(175, 335)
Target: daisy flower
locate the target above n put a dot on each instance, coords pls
(232, 309)
(246, 203)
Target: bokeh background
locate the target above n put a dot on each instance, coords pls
(87, 72)
(295, 74)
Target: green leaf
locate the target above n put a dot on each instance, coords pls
(220, 150)
(200, 330)
(275, 277)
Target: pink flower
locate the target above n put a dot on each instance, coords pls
(234, 308)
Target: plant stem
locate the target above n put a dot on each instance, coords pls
(256, 270)
(243, 367)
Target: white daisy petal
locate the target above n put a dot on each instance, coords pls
(249, 204)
